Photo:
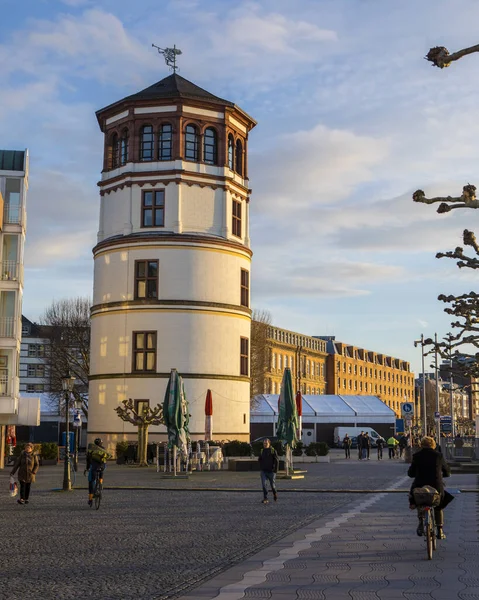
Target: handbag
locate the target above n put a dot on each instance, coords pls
(13, 487)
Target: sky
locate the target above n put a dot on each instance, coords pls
(351, 121)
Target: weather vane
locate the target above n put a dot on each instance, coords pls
(170, 55)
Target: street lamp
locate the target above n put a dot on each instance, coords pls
(416, 344)
(77, 424)
(67, 385)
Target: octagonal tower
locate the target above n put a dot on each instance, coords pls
(173, 258)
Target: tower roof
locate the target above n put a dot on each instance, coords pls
(175, 86)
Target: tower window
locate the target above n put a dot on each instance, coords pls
(146, 279)
(210, 151)
(165, 142)
(124, 147)
(236, 225)
(191, 143)
(144, 351)
(231, 143)
(153, 208)
(146, 143)
(115, 156)
(244, 287)
(244, 354)
(239, 157)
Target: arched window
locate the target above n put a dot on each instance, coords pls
(239, 157)
(231, 145)
(114, 152)
(165, 149)
(191, 142)
(210, 150)
(146, 142)
(124, 147)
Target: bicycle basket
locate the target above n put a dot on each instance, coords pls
(426, 496)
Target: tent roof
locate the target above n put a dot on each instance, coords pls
(328, 405)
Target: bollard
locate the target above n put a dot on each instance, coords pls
(408, 454)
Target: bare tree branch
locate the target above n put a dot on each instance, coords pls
(261, 319)
(467, 199)
(440, 57)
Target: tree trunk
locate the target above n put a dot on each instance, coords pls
(142, 444)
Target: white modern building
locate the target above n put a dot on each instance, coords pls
(173, 258)
(13, 194)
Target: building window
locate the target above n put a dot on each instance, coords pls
(210, 149)
(146, 143)
(236, 218)
(36, 371)
(115, 152)
(36, 350)
(280, 362)
(239, 157)
(273, 361)
(35, 388)
(191, 143)
(231, 145)
(165, 147)
(339, 382)
(25, 329)
(124, 147)
(144, 351)
(244, 287)
(153, 208)
(349, 369)
(146, 279)
(244, 353)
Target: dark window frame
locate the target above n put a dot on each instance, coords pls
(239, 157)
(192, 146)
(135, 351)
(124, 141)
(156, 207)
(165, 144)
(147, 146)
(244, 288)
(115, 151)
(146, 278)
(210, 146)
(231, 152)
(236, 222)
(244, 356)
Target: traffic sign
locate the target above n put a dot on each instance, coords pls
(408, 423)
(437, 415)
(77, 419)
(407, 409)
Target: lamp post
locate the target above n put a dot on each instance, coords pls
(78, 426)
(67, 386)
(416, 344)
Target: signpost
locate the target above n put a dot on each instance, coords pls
(446, 424)
(407, 409)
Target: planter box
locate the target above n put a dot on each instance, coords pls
(48, 461)
(248, 464)
(323, 459)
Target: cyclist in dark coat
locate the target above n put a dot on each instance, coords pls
(428, 467)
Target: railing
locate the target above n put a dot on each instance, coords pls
(12, 214)
(4, 387)
(11, 270)
(7, 327)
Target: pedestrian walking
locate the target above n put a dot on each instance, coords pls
(347, 442)
(268, 464)
(458, 445)
(27, 466)
(403, 442)
(360, 445)
(366, 446)
(380, 445)
(392, 443)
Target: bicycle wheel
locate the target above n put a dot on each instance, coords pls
(73, 473)
(97, 495)
(429, 534)
(433, 528)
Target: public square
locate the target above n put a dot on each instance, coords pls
(155, 538)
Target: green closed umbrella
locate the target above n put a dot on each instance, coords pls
(175, 414)
(287, 426)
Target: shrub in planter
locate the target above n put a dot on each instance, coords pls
(49, 451)
(317, 449)
(311, 450)
(298, 451)
(19, 448)
(121, 449)
(278, 446)
(323, 449)
(237, 448)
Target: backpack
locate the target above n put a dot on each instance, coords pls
(99, 455)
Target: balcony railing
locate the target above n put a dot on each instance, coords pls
(4, 385)
(7, 327)
(12, 214)
(11, 271)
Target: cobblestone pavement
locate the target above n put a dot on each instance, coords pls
(368, 551)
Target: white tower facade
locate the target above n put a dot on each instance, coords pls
(173, 258)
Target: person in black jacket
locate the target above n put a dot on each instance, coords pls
(381, 442)
(347, 443)
(268, 464)
(428, 467)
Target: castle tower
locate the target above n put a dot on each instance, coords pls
(173, 258)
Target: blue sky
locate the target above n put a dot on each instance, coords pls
(351, 120)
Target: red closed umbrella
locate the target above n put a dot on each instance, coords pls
(209, 416)
(299, 408)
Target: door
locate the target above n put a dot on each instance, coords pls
(308, 435)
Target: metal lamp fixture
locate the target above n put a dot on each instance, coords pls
(416, 344)
(67, 385)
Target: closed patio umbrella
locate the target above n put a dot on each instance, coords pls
(299, 408)
(209, 416)
(287, 428)
(175, 414)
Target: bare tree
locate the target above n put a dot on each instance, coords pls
(142, 416)
(261, 320)
(461, 346)
(68, 347)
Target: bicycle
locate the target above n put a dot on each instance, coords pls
(426, 498)
(97, 488)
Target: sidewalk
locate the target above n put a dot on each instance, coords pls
(368, 552)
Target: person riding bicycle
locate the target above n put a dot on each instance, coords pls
(428, 467)
(96, 458)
